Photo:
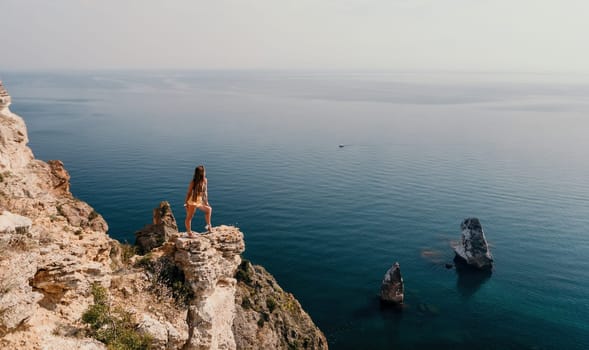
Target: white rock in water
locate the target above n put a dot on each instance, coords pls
(473, 247)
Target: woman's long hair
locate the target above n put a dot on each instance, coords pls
(198, 181)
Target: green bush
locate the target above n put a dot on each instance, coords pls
(271, 304)
(115, 328)
(246, 303)
(96, 316)
(127, 252)
(93, 215)
(244, 272)
(61, 211)
(168, 274)
(167, 280)
(264, 317)
(145, 262)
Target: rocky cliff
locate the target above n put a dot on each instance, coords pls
(62, 278)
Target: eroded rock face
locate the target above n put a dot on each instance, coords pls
(61, 178)
(392, 288)
(4, 97)
(17, 299)
(163, 333)
(472, 247)
(209, 263)
(269, 318)
(160, 231)
(13, 140)
(52, 247)
(14, 224)
(163, 215)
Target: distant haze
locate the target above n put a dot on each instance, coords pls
(483, 35)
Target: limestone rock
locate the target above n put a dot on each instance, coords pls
(209, 263)
(163, 228)
(13, 223)
(161, 332)
(48, 258)
(17, 298)
(61, 178)
(267, 317)
(13, 140)
(163, 215)
(80, 214)
(4, 97)
(157, 314)
(392, 288)
(473, 248)
(62, 273)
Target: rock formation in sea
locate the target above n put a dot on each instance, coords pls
(472, 248)
(392, 288)
(59, 269)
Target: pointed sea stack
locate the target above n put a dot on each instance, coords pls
(473, 248)
(154, 235)
(391, 289)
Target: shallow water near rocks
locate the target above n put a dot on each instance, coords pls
(421, 152)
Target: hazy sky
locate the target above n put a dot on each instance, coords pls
(479, 35)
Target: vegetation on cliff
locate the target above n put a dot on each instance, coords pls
(166, 279)
(281, 322)
(115, 327)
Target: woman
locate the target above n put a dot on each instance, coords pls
(197, 198)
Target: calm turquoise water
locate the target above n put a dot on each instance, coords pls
(422, 152)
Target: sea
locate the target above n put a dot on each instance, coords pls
(333, 176)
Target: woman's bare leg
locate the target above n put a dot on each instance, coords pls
(207, 210)
(189, 214)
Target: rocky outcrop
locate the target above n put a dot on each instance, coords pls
(16, 299)
(233, 304)
(4, 97)
(61, 179)
(472, 248)
(13, 140)
(54, 250)
(267, 317)
(392, 288)
(52, 246)
(160, 231)
(209, 263)
(13, 224)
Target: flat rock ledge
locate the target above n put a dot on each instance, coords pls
(473, 248)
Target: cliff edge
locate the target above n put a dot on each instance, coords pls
(62, 277)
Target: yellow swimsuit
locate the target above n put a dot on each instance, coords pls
(200, 199)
